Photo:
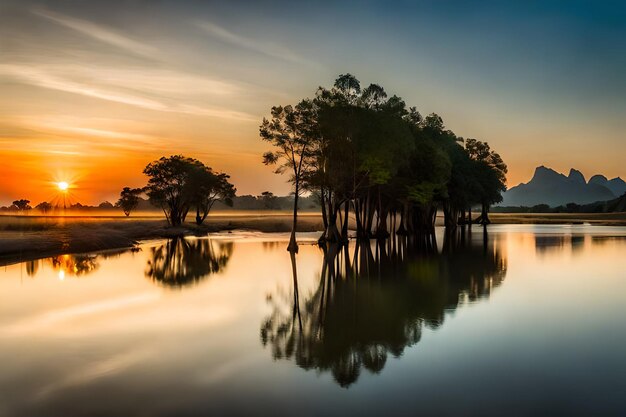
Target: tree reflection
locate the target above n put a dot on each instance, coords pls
(373, 300)
(66, 265)
(182, 261)
(74, 265)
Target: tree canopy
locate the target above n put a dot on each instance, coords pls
(177, 184)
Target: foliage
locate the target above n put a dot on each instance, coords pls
(292, 132)
(22, 204)
(44, 207)
(177, 183)
(361, 150)
(129, 199)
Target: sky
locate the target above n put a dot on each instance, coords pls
(92, 91)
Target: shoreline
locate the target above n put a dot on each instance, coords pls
(24, 238)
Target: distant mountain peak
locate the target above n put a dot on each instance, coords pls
(576, 175)
(543, 171)
(548, 186)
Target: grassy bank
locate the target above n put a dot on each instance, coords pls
(26, 237)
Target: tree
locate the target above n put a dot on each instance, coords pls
(207, 187)
(270, 201)
(490, 171)
(44, 207)
(177, 183)
(129, 199)
(169, 186)
(292, 132)
(361, 151)
(106, 205)
(22, 204)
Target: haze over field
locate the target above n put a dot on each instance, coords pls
(92, 93)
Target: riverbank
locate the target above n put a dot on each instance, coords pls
(25, 237)
(30, 237)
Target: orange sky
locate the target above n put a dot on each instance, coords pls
(91, 94)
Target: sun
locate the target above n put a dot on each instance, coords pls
(63, 186)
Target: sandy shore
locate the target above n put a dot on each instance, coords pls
(30, 237)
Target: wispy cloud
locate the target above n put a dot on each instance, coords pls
(98, 32)
(61, 81)
(266, 48)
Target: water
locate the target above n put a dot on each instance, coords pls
(528, 320)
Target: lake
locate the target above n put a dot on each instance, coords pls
(520, 320)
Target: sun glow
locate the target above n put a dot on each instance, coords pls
(63, 186)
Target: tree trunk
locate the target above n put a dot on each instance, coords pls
(323, 201)
(485, 214)
(293, 245)
(344, 226)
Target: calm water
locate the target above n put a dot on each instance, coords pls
(528, 320)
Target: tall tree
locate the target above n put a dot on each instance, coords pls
(292, 132)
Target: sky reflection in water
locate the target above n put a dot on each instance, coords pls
(529, 320)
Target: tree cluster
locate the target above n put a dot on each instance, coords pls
(366, 154)
(178, 184)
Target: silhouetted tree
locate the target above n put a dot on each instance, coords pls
(360, 151)
(106, 205)
(292, 132)
(207, 187)
(169, 186)
(44, 207)
(22, 204)
(490, 172)
(129, 199)
(270, 201)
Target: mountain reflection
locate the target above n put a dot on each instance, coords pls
(373, 300)
(180, 261)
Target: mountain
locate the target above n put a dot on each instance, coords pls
(550, 187)
(616, 185)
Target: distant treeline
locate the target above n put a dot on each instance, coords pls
(616, 205)
(265, 201)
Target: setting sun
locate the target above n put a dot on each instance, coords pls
(63, 186)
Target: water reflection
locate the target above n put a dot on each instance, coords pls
(373, 299)
(73, 265)
(181, 261)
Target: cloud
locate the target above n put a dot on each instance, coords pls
(266, 48)
(98, 32)
(65, 81)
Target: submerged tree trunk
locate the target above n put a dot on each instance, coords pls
(323, 202)
(293, 245)
(331, 232)
(484, 215)
(450, 216)
(344, 226)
